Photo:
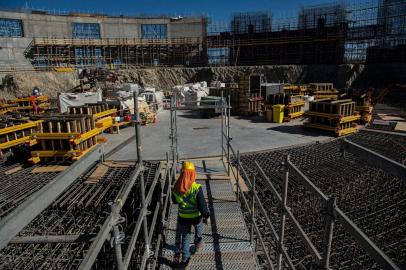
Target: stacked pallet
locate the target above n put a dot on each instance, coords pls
(322, 91)
(295, 90)
(363, 107)
(6, 106)
(64, 138)
(102, 115)
(249, 94)
(336, 116)
(246, 99)
(15, 132)
(294, 105)
(24, 104)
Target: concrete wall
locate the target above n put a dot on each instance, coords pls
(41, 25)
(12, 53)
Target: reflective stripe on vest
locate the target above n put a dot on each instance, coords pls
(188, 202)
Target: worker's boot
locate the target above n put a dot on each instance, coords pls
(199, 246)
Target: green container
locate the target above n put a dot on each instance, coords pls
(278, 113)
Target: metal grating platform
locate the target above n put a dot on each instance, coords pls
(226, 238)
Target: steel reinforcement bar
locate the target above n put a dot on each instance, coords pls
(13, 223)
(332, 214)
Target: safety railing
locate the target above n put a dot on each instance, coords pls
(142, 227)
(332, 215)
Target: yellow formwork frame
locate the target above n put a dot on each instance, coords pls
(104, 123)
(364, 108)
(16, 142)
(26, 99)
(104, 113)
(75, 137)
(74, 154)
(338, 132)
(20, 127)
(296, 114)
(41, 106)
(335, 116)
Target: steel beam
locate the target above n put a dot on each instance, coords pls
(13, 223)
(375, 159)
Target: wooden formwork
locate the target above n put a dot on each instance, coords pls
(294, 110)
(24, 104)
(338, 107)
(323, 90)
(103, 116)
(15, 132)
(64, 138)
(321, 86)
(363, 107)
(337, 116)
(250, 104)
(295, 90)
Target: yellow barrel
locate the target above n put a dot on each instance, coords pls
(278, 113)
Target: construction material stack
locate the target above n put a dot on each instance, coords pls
(250, 98)
(15, 132)
(292, 105)
(295, 90)
(322, 91)
(337, 116)
(363, 106)
(147, 115)
(25, 104)
(103, 116)
(6, 106)
(230, 91)
(64, 138)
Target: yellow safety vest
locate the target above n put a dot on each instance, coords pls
(188, 202)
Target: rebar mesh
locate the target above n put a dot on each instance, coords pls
(81, 209)
(371, 197)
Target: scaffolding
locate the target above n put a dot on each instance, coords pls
(115, 53)
(338, 33)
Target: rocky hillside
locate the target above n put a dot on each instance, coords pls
(343, 76)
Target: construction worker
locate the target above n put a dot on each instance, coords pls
(192, 209)
(33, 98)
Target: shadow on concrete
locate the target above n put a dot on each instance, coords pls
(196, 115)
(252, 119)
(297, 129)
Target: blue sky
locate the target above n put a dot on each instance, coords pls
(217, 9)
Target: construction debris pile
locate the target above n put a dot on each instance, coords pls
(190, 93)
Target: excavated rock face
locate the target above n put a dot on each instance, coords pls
(50, 83)
(343, 76)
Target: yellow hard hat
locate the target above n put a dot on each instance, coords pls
(188, 166)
